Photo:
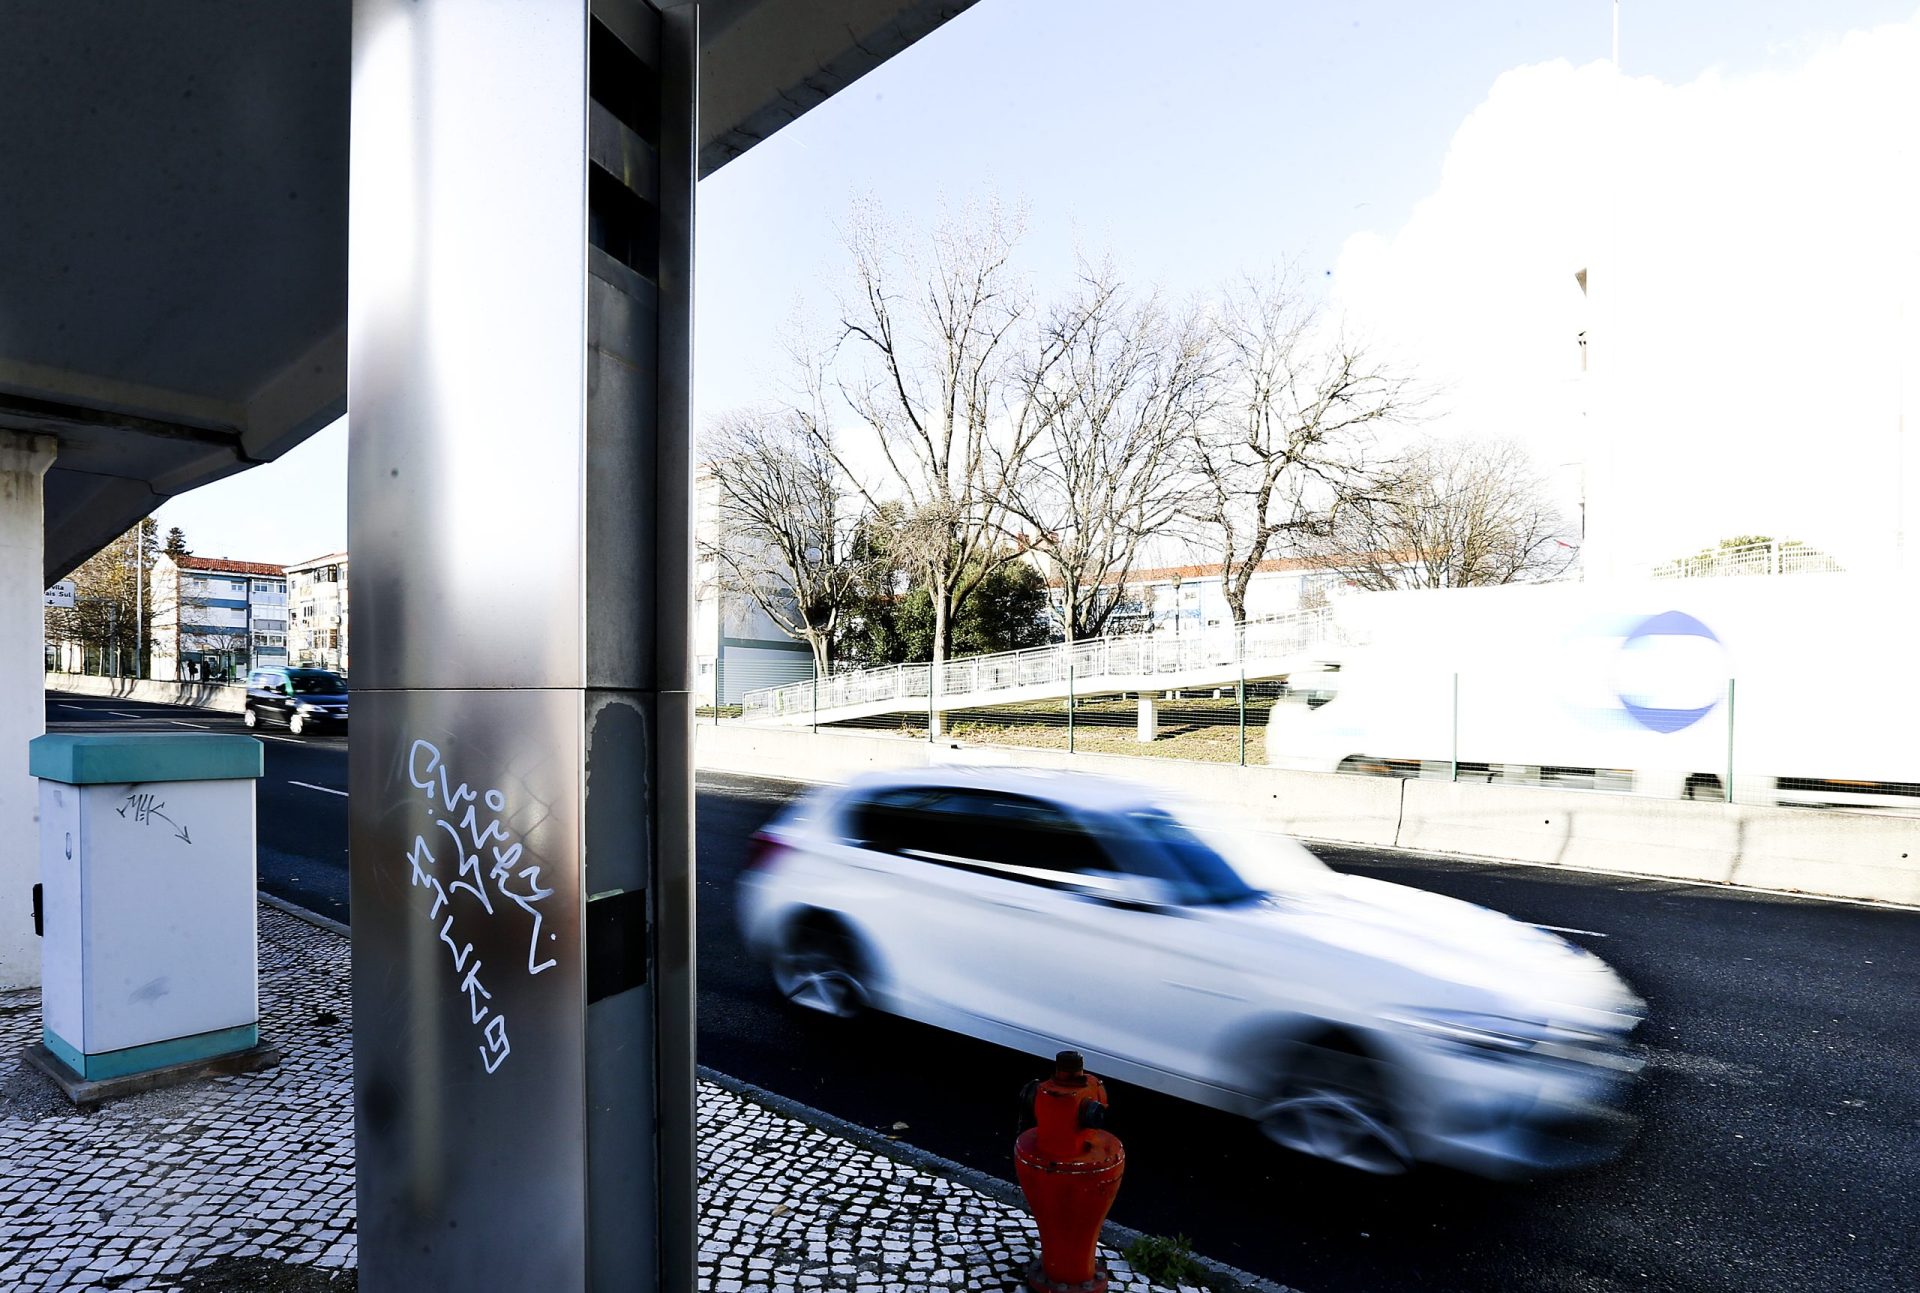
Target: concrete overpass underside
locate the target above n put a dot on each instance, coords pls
(173, 221)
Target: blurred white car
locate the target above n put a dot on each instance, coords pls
(1360, 1021)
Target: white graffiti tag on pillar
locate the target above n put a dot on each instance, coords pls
(480, 829)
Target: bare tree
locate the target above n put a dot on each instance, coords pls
(110, 616)
(1289, 449)
(230, 649)
(786, 524)
(1129, 392)
(939, 360)
(1456, 513)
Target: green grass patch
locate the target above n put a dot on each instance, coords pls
(1167, 1261)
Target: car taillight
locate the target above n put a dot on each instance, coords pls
(763, 852)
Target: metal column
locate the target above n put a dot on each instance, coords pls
(521, 794)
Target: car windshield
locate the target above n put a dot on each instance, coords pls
(1200, 871)
(317, 682)
(1259, 863)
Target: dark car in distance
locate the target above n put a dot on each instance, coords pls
(298, 698)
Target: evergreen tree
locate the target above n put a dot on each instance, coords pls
(1006, 612)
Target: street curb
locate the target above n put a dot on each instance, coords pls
(298, 912)
(1225, 1278)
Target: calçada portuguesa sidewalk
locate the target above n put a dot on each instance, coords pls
(246, 1182)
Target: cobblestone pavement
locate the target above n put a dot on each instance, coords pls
(784, 1205)
(172, 1189)
(148, 1188)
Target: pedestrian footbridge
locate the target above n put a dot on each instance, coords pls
(1259, 649)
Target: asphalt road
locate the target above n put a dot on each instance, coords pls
(1781, 1107)
(1781, 1145)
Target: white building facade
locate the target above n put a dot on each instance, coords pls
(1174, 600)
(738, 648)
(317, 606)
(215, 618)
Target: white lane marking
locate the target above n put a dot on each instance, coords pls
(181, 722)
(120, 713)
(1562, 929)
(82, 708)
(325, 790)
(288, 739)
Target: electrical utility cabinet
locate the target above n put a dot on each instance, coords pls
(147, 906)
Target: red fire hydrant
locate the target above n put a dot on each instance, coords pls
(1069, 1169)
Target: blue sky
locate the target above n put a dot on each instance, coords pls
(1235, 136)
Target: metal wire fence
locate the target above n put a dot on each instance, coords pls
(1764, 740)
(1207, 658)
(1759, 741)
(1220, 724)
(1775, 557)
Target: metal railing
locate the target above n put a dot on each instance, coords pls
(1773, 558)
(1039, 670)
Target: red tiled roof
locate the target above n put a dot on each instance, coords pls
(1213, 568)
(226, 567)
(1164, 574)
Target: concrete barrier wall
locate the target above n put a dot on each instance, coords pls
(1851, 856)
(799, 755)
(1690, 841)
(1358, 810)
(228, 698)
(1831, 854)
(1836, 854)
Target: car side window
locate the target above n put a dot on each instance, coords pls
(1017, 831)
(1007, 834)
(894, 821)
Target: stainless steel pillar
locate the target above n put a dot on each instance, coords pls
(519, 486)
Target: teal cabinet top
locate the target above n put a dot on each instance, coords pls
(123, 757)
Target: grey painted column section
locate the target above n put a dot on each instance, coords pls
(24, 459)
(519, 487)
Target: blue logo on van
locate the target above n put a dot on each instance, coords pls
(1664, 637)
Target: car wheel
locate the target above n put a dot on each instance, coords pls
(251, 717)
(1333, 1104)
(297, 724)
(818, 969)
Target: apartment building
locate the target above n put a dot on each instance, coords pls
(215, 618)
(317, 606)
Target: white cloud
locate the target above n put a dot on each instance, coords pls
(1752, 248)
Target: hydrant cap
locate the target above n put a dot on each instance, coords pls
(1069, 1064)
